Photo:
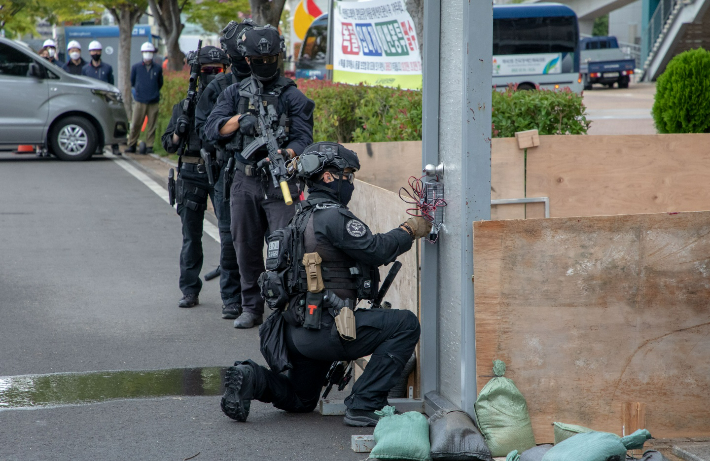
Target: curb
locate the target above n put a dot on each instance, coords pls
(164, 160)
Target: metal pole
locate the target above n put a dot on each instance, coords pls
(430, 154)
(329, 43)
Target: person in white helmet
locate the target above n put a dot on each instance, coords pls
(96, 68)
(50, 46)
(75, 62)
(146, 82)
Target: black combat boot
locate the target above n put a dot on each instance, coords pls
(189, 300)
(360, 418)
(238, 391)
(231, 311)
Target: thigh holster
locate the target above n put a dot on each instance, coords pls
(190, 195)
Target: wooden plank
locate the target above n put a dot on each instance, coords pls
(608, 175)
(507, 177)
(591, 313)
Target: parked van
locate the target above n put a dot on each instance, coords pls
(74, 117)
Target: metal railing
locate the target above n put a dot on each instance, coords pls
(657, 23)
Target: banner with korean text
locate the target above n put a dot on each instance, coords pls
(375, 43)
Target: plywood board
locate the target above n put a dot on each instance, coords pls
(602, 321)
(507, 177)
(607, 175)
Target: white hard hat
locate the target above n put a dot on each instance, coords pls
(73, 44)
(95, 45)
(147, 46)
(49, 42)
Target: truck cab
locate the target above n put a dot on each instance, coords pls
(603, 62)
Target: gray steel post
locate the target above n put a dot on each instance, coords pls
(461, 135)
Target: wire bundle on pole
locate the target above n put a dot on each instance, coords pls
(416, 195)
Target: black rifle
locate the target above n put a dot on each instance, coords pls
(266, 136)
(189, 103)
(340, 372)
(171, 187)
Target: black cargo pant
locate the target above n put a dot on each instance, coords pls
(389, 335)
(229, 284)
(191, 208)
(257, 210)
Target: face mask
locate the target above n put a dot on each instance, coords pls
(74, 55)
(51, 52)
(240, 67)
(205, 79)
(346, 190)
(147, 57)
(265, 72)
(96, 57)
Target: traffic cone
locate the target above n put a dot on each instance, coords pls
(25, 149)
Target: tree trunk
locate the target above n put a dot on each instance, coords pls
(416, 11)
(265, 12)
(126, 16)
(167, 14)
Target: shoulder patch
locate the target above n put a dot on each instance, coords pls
(355, 228)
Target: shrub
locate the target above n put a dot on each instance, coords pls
(549, 112)
(174, 90)
(682, 101)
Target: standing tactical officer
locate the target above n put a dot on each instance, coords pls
(229, 269)
(193, 185)
(332, 263)
(257, 205)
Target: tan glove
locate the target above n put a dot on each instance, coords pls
(420, 226)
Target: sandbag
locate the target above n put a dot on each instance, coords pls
(596, 446)
(502, 415)
(404, 436)
(564, 431)
(650, 455)
(454, 437)
(533, 454)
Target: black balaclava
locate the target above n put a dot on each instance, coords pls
(240, 67)
(205, 80)
(340, 188)
(265, 72)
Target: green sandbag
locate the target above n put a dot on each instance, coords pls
(404, 436)
(502, 415)
(596, 446)
(564, 431)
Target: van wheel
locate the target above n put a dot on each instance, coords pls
(73, 138)
(526, 87)
(624, 82)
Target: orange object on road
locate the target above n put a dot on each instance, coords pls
(25, 149)
(145, 122)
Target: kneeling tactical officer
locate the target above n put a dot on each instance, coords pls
(320, 265)
(192, 186)
(228, 266)
(257, 205)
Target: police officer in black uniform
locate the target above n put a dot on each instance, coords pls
(257, 206)
(192, 185)
(350, 255)
(229, 268)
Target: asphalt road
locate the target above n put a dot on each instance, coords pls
(88, 282)
(620, 111)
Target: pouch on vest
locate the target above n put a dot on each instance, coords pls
(314, 309)
(272, 289)
(314, 278)
(278, 249)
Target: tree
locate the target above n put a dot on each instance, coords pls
(19, 17)
(601, 26)
(167, 14)
(213, 15)
(266, 11)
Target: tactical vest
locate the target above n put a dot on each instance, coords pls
(285, 283)
(270, 98)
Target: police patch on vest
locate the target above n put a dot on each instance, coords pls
(355, 228)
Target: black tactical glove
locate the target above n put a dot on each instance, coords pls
(182, 125)
(247, 124)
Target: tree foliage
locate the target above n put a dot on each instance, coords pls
(601, 26)
(213, 15)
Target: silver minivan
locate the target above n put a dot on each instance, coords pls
(40, 104)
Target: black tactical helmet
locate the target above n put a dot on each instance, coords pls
(212, 55)
(261, 41)
(230, 36)
(323, 156)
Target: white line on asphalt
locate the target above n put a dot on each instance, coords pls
(209, 228)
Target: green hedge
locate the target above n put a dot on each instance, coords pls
(347, 113)
(682, 101)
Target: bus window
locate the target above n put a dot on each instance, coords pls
(314, 45)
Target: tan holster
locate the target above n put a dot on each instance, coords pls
(314, 278)
(345, 323)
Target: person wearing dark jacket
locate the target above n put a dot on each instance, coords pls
(96, 68)
(50, 46)
(340, 264)
(146, 82)
(257, 207)
(76, 62)
(229, 268)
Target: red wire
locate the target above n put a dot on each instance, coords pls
(416, 197)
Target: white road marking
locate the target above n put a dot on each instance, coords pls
(209, 228)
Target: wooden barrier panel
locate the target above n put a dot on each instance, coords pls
(603, 321)
(608, 175)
